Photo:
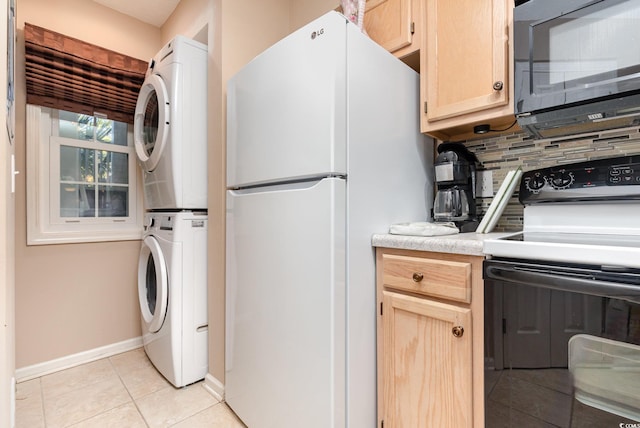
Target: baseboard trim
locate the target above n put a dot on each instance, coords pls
(52, 366)
(214, 387)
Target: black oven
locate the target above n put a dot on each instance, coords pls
(562, 344)
(562, 301)
(576, 62)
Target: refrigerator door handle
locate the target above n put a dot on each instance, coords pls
(298, 184)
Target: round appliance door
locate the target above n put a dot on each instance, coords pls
(153, 284)
(151, 122)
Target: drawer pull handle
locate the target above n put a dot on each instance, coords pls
(417, 277)
(457, 331)
(497, 86)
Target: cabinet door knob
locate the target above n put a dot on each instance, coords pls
(417, 277)
(497, 86)
(457, 331)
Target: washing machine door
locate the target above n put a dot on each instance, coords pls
(153, 284)
(151, 122)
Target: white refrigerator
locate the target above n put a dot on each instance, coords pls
(323, 150)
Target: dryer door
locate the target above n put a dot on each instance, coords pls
(153, 284)
(151, 122)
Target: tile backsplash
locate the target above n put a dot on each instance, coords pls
(508, 151)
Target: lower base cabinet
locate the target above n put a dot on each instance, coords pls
(426, 358)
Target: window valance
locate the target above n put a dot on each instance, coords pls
(69, 74)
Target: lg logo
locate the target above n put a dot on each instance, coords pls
(318, 33)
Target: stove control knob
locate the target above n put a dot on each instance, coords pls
(561, 179)
(535, 183)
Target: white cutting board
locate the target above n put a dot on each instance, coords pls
(500, 201)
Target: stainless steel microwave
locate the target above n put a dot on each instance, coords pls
(577, 65)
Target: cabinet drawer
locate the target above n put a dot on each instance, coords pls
(431, 277)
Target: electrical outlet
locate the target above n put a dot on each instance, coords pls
(484, 184)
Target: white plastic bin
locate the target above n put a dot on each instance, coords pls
(606, 374)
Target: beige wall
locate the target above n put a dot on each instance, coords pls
(189, 19)
(305, 11)
(93, 23)
(248, 28)
(72, 298)
(59, 310)
(7, 340)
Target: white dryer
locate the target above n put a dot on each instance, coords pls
(170, 127)
(172, 289)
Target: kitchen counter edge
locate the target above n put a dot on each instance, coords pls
(461, 243)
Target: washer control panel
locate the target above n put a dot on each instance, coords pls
(158, 221)
(603, 179)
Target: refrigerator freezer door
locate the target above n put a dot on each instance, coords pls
(286, 109)
(285, 314)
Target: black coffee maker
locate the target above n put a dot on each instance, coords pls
(455, 176)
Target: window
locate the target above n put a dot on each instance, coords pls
(82, 179)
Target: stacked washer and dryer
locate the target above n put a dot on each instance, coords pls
(170, 135)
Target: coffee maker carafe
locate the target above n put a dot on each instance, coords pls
(455, 176)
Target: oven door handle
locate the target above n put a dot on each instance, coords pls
(563, 281)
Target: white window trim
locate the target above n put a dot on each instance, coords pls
(42, 229)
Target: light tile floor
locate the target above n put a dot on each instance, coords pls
(124, 390)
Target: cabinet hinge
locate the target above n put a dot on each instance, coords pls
(425, 107)
(380, 308)
(504, 326)
(413, 27)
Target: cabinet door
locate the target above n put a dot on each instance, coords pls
(426, 368)
(467, 53)
(388, 22)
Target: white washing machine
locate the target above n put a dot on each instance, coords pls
(172, 289)
(170, 127)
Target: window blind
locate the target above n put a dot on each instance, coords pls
(69, 74)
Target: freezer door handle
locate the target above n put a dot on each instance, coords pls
(297, 184)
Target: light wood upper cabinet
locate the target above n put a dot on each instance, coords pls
(430, 339)
(393, 25)
(465, 63)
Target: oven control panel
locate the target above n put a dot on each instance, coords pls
(603, 179)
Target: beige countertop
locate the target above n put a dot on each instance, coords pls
(461, 243)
